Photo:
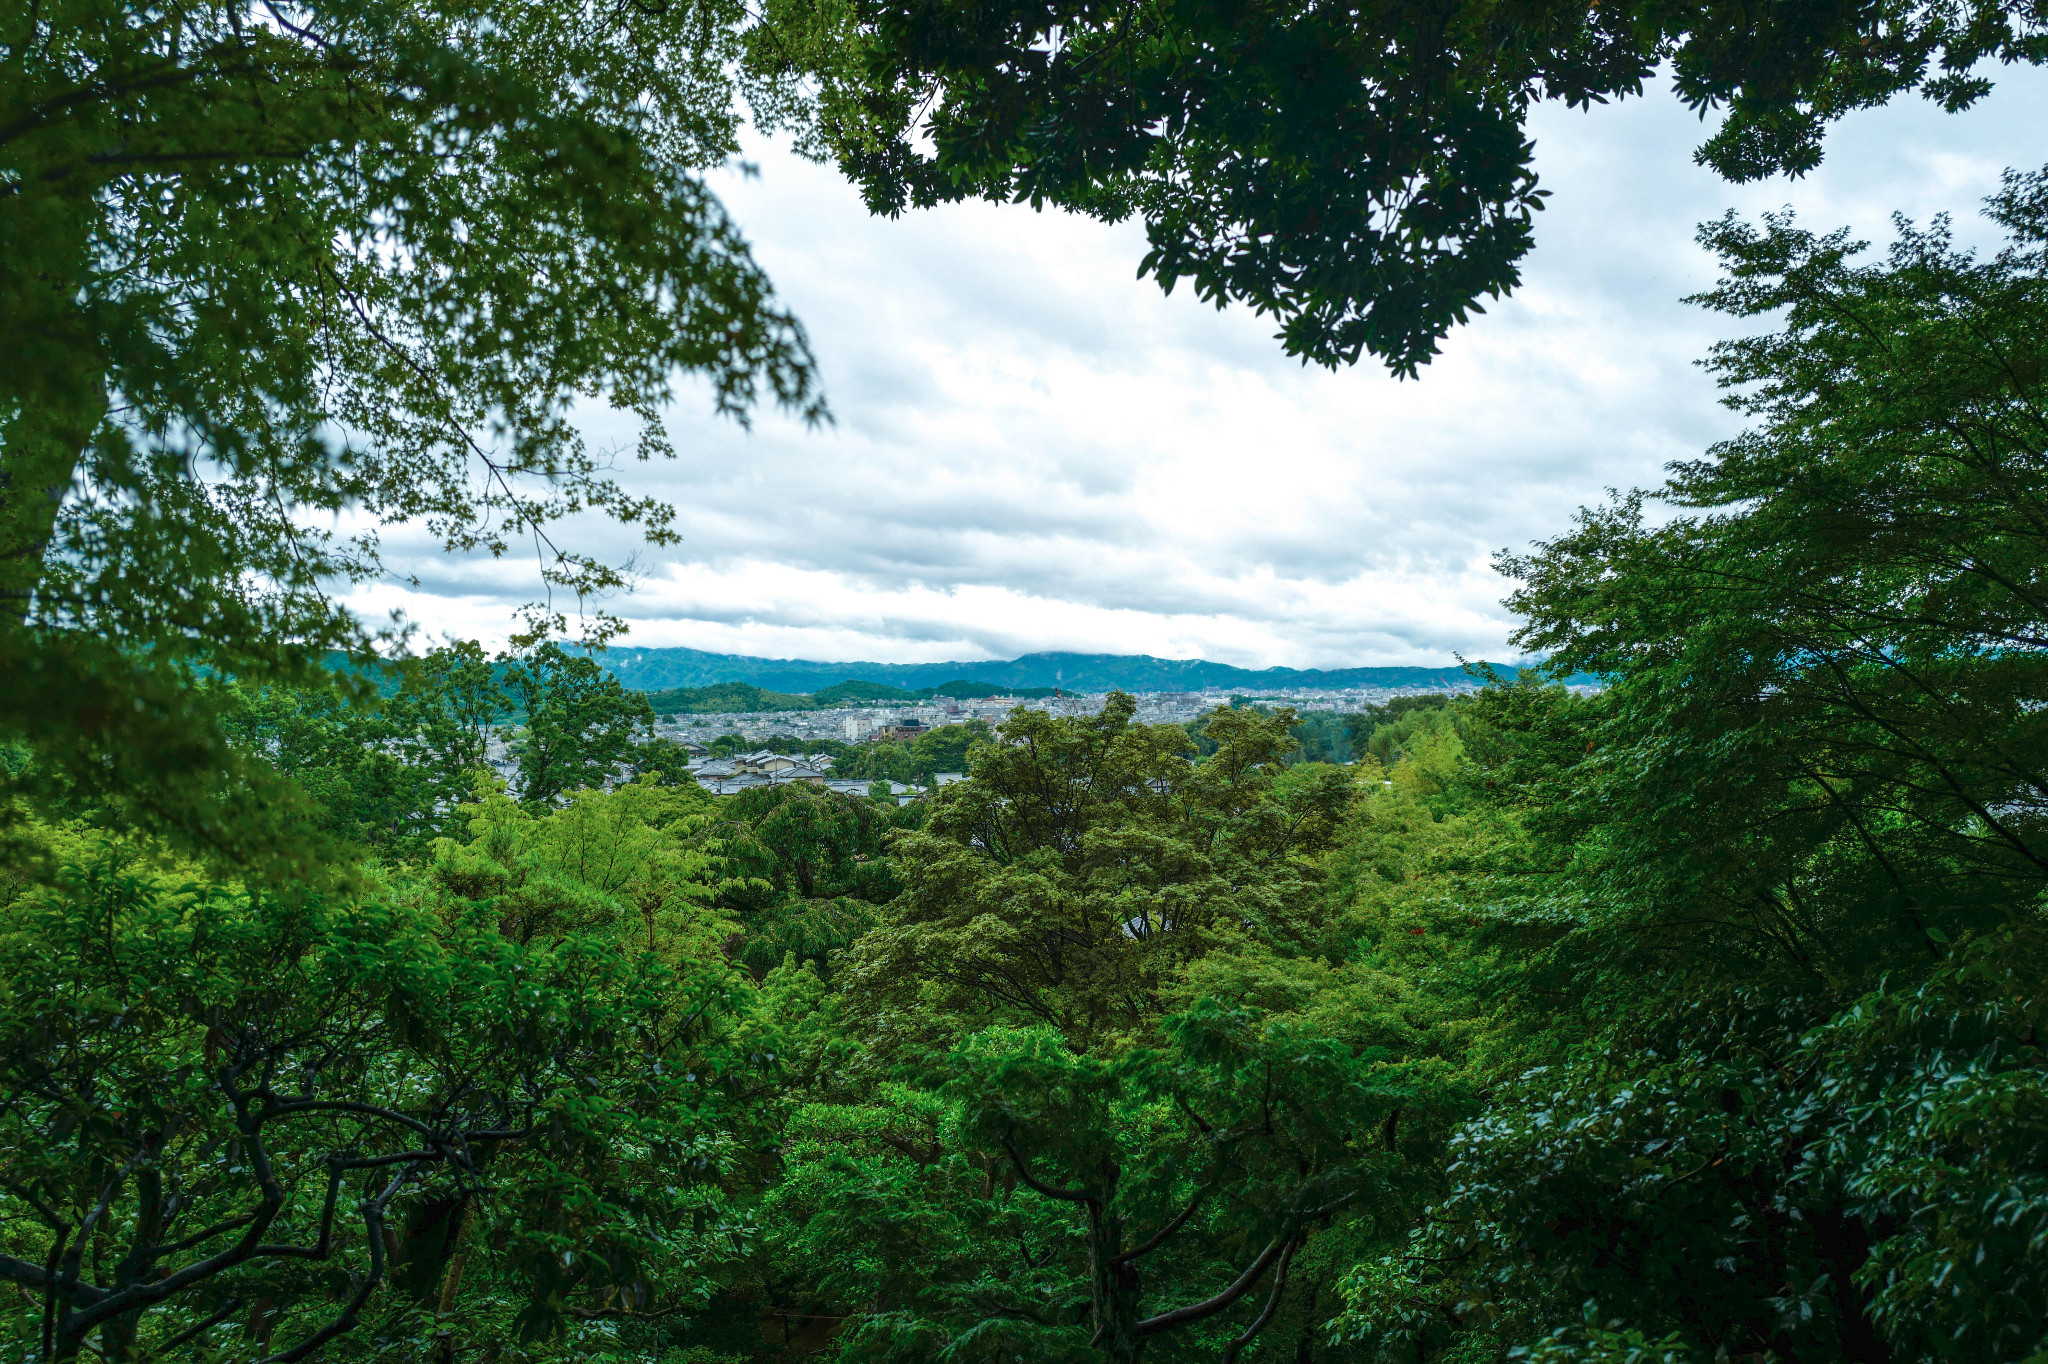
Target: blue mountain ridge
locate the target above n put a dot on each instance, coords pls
(649, 669)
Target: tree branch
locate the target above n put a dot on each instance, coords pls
(373, 1233)
(1232, 1350)
(1256, 1270)
(1158, 1238)
(1024, 1173)
(193, 1332)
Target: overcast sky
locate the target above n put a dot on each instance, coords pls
(1034, 449)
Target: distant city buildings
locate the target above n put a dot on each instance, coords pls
(905, 723)
(898, 723)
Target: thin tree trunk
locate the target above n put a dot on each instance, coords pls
(52, 400)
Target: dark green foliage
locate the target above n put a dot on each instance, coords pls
(654, 669)
(943, 748)
(860, 693)
(386, 774)
(1321, 737)
(1822, 732)
(807, 870)
(1873, 1189)
(974, 691)
(726, 698)
(1194, 1175)
(1087, 862)
(728, 745)
(1696, 1020)
(665, 759)
(1361, 174)
(1768, 950)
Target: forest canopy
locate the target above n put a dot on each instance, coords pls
(429, 1010)
(1691, 1018)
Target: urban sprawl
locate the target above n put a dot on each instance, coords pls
(898, 721)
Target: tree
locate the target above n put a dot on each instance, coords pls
(1765, 947)
(451, 704)
(1361, 174)
(1084, 863)
(807, 869)
(269, 263)
(580, 727)
(1822, 746)
(386, 773)
(291, 1116)
(1177, 1186)
(1869, 1190)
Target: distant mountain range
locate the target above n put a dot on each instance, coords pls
(660, 669)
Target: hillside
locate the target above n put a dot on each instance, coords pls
(661, 669)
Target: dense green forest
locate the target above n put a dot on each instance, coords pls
(1693, 1019)
(1696, 1019)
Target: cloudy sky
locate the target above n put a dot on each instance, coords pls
(1036, 450)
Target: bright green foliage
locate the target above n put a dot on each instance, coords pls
(1086, 863)
(255, 1122)
(1388, 732)
(615, 861)
(259, 267)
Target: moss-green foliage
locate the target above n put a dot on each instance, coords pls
(805, 869)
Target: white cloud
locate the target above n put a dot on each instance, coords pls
(1036, 450)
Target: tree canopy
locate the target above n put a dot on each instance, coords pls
(1361, 174)
(266, 264)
